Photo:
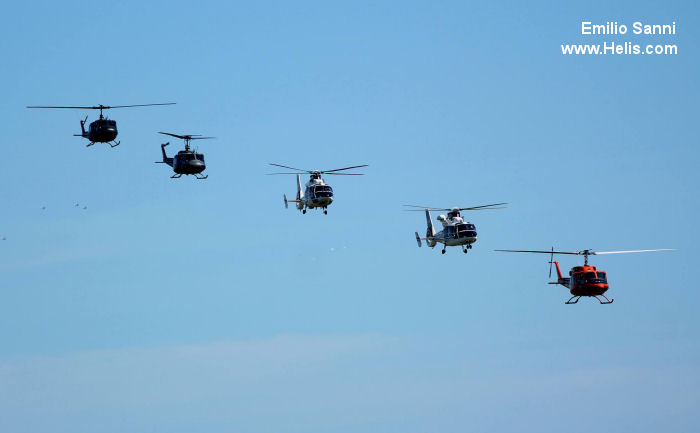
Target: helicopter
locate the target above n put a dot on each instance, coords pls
(187, 161)
(102, 130)
(316, 194)
(455, 230)
(582, 280)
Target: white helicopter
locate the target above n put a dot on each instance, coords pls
(317, 193)
(455, 230)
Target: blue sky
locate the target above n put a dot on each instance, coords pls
(174, 305)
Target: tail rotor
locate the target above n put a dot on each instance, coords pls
(551, 260)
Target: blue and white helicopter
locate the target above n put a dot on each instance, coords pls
(316, 193)
(455, 231)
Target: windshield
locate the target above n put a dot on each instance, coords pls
(323, 191)
(465, 230)
(590, 277)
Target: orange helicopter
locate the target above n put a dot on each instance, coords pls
(582, 280)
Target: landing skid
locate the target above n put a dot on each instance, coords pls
(179, 175)
(609, 301)
(111, 143)
(569, 301)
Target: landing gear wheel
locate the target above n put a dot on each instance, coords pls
(325, 212)
(465, 251)
(444, 251)
(304, 212)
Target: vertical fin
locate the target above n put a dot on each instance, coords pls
(558, 270)
(166, 160)
(431, 229)
(300, 190)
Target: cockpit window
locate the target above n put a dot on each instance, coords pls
(465, 230)
(590, 276)
(323, 191)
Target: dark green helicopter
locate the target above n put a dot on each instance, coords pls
(101, 130)
(187, 161)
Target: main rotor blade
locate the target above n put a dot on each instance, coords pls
(576, 253)
(98, 107)
(346, 168)
(422, 208)
(140, 105)
(194, 137)
(173, 135)
(598, 253)
(269, 174)
(291, 168)
(438, 209)
(483, 206)
(337, 174)
(344, 174)
(53, 106)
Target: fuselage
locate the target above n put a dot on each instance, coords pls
(102, 131)
(188, 162)
(316, 194)
(586, 281)
(455, 230)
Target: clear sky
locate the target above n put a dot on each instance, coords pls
(177, 305)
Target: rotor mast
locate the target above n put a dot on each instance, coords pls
(585, 254)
